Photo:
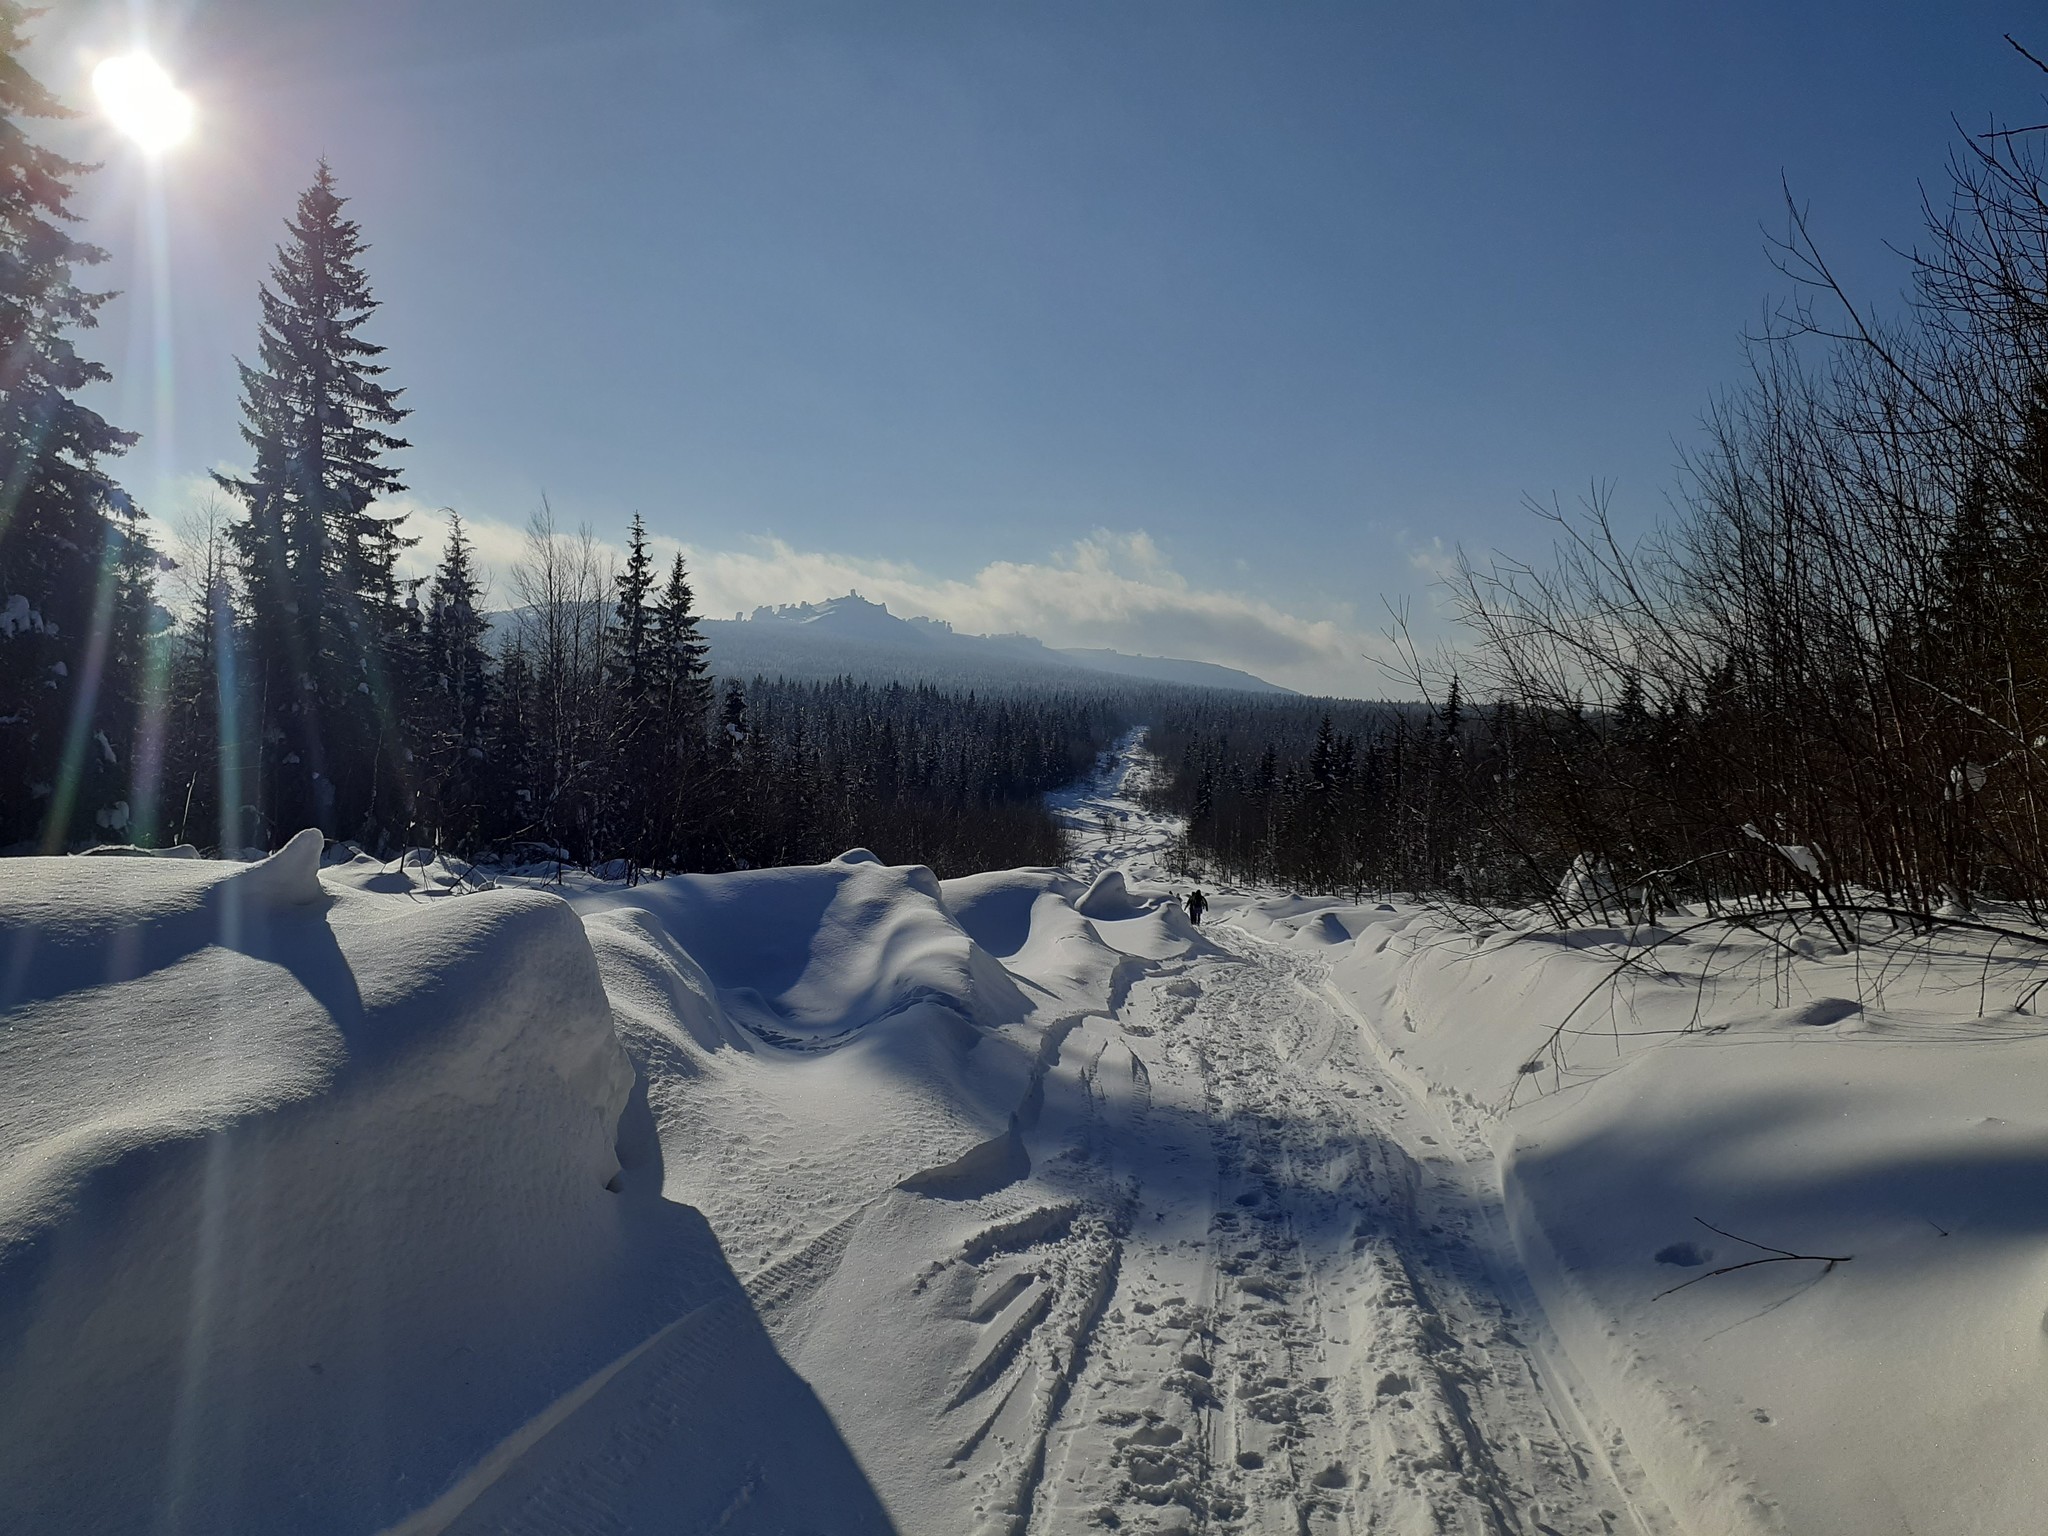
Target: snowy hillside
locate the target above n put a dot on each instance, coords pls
(841, 1198)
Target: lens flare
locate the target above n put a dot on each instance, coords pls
(140, 100)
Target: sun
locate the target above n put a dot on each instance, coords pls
(139, 98)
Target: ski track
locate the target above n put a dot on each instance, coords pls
(1278, 1299)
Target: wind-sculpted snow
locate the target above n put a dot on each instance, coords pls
(808, 1038)
(805, 957)
(370, 1198)
(304, 1205)
(1210, 1274)
(265, 1147)
(999, 910)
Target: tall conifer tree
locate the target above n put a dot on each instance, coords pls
(735, 815)
(682, 690)
(319, 566)
(74, 571)
(631, 669)
(454, 692)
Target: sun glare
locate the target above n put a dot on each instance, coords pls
(138, 97)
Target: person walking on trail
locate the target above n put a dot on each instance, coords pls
(1197, 905)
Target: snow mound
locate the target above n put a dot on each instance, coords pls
(312, 1219)
(808, 1039)
(81, 923)
(998, 910)
(416, 872)
(1031, 919)
(348, 1196)
(292, 874)
(658, 990)
(1143, 924)
(1110, 898)
(1326, 928)
(812, 955)
(269, 1160)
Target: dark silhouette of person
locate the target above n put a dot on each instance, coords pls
(1197, 905)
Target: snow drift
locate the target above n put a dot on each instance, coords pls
(304, 1208)
(1846, 1107)
(808, 956)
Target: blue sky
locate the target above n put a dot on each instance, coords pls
(1181, 327)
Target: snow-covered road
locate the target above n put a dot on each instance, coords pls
(1307, 1318)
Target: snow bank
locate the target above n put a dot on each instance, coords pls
(808, 956)
(808, 1038)
(416, 872)
(842, 1066)
(1830, 1106)
(267, 1147)
(307, 1211)
(1110, 898)
(1081, 947)
(999, 910)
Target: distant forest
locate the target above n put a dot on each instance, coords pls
(1318, 794)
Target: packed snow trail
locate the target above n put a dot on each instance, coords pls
(1306, 1331)
(1304, 1320)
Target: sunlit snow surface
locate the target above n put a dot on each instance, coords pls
(842, 1199)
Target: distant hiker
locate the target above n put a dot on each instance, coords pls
(1197, 905)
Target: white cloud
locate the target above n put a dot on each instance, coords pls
(1433, 558)
(1118, 590)
(495, 546)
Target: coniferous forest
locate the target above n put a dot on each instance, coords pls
(1322, 794)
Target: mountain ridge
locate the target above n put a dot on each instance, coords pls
(853, 635)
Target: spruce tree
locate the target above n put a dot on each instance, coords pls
(680, 650)
(509, 748)
(201, 760)
(682, 689)
(631, 657)
(735, 813)
(75, 572)
(454, 688)
(630, 669)
(319, 567)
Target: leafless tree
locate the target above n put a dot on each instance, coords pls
(560, 583)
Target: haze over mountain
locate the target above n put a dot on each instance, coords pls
(851, 636)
